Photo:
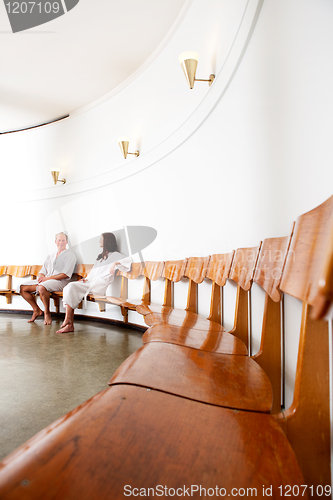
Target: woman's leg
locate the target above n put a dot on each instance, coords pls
(68, 324)
(73, 294)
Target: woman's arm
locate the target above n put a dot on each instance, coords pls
(113, 267)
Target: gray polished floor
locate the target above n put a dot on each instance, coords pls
(43, 375)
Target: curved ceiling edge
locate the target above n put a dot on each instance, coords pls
(142, 68)
(180, 135)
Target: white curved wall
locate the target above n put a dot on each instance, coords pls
(220, 167)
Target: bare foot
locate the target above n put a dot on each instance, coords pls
(35, 315)
(65, 323)
(68, 328)
(47, 319)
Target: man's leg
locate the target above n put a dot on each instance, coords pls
(68, 324)
(26, 292)
(45, 296)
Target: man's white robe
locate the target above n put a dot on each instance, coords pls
(64, 263)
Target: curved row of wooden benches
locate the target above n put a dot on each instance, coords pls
(191, 408)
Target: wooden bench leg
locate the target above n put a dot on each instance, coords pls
(307, 422)
(241, 328)
(124, 312)
(8, 298)
(216, 301)
(56, 303)
(9, 287)
(269, 354)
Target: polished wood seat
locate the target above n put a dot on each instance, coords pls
(177, 317)
(207, 339)
(217, 379)
(126, 435)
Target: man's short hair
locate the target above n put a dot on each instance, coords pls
(58, 234)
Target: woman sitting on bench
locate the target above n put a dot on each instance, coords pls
(97, 281)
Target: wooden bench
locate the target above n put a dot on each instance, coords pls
(238, 267)
(133, 436)
(238, 380)
(81, 271)
(13, 272)
(151, 271)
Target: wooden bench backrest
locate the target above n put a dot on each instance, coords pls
(18, 271)
(271, 260)
(218, 272)
(35, 270)
(243, 266)
(196, 268)
(153, 270)
(174, 271)
(219, 267)
(3, 270)
(137, 269)
(82, 270)
(324, 299)
(306, 256)
(241, 272)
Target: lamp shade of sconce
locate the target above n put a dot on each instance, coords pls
(123, 144)
(189, 63)
(55, 176)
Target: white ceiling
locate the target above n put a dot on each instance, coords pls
(56, 68)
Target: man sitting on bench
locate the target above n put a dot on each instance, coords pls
(54, 275)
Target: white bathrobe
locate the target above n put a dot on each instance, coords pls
(63, 263)
(97, 280)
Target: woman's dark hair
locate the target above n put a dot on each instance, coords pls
(109, 245)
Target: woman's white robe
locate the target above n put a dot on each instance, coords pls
(97, 280)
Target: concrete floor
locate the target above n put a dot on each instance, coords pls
(43, 375)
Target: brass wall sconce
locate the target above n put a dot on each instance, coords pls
(55, 175)
(123, 144)
(189, 62)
